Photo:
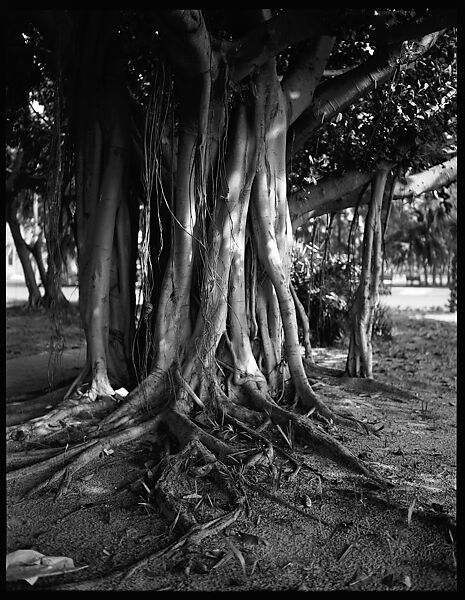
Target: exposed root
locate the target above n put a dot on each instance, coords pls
(23, 410)
(42, 462)
(81, 456)
(186, 430)
(311, 403)
(182, 483)
(322, 443)
(18, 460)
(121, 426)
(59, 418)
(77, 382)
(258, 436)
(194, 536)
(153, 395)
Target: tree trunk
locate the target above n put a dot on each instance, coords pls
(359, 359)
(222, 323)
(24, 256)
(106, 258)
(36, 250)
(453, 284)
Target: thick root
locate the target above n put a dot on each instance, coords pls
(200, 488)
(80, 456)
(59, 418)
(153, 395)
(322, 443)
(194, 466)
(22, 411)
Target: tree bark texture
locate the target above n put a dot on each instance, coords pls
(222, 297)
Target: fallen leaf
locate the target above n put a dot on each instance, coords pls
(223, 560)
(123, 392)
(31, 565)
(306, 501)
(345, 551)
(215, 553)
(407, 581)
(250, 539)
(254, 566)
(240, 557)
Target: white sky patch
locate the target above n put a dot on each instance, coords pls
(37, 106)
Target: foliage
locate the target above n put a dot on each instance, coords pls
(325, 288)
(425, 230)
(412, 118)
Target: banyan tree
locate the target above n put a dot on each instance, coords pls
(179, 128)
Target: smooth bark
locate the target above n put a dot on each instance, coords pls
(359, 360)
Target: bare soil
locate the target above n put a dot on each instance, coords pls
(320, 529)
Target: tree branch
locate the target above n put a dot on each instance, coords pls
(337, 194)
(436, 20)
(275, 35)
(335, 95)
(432, 179)
(292, 26)
(299, 86)
(188, 42)
(305, 203)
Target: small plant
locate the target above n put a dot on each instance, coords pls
(324, 288)
(424, 409)
(382, 322)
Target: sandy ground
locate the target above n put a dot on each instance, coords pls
(320, 529)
